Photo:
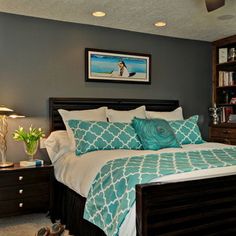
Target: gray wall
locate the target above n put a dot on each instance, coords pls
(42, 58)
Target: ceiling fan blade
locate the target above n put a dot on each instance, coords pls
(212, 5)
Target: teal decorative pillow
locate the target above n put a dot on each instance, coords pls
(187, 131)
(99, 135)
(155, 134)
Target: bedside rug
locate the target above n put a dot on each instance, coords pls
(27, 225)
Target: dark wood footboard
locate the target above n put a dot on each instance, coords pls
(198, 207)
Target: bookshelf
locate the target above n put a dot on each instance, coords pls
(224, 89)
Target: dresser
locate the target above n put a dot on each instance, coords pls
(25, 189)
(223, 133)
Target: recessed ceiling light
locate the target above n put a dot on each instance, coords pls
(160, 24)
(99, 13)
(225, 17)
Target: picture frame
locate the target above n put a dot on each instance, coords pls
(223, 55)
(117, 66)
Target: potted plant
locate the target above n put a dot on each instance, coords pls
(30, 139)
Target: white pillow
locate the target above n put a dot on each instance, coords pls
(98, 114)
(125, 116)
(177, 114)
(57, 144)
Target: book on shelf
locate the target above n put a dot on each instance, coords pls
(35, 162)
(226, 78)
(225, 113)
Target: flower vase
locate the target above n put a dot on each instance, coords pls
(31, 149)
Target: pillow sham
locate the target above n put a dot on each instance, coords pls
(97, 135)
(88, 115)
(187, 131)
(177, 114)
(57, 144)
(125, 116)
(155, 134)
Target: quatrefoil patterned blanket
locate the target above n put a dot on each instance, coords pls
(112, 193)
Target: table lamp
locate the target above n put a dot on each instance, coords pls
(4, 114)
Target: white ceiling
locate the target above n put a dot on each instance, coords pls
(185, 18)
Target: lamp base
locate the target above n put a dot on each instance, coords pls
(6, 164)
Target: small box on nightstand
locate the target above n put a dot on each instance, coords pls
(35, 162)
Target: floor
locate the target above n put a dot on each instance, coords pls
(25, 225)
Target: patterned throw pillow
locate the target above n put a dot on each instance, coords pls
(99, 135)
(155, 134)
(187, 131)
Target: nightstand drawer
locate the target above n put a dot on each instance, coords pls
(20, 192)
(230, 141)
(223, 132)
(31, 204)
(26, 176)
(25, 189)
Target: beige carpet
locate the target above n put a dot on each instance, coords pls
(25, 225)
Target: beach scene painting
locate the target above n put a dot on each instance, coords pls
(113, 66)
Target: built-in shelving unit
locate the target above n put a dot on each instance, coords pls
(224, 75)
(224, 89)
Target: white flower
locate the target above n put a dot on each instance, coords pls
(16, 136)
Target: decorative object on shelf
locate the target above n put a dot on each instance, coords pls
(115, 66)
(232, 118)
(226, 98)
(233, 100)
(223, 55)
(215, 114)
(232, 54)
(30, 139)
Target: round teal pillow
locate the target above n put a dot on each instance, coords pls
(155, 134)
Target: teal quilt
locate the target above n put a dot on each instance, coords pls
(112, 193)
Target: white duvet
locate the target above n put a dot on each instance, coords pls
(78, 173)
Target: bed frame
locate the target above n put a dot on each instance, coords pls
(197, 207)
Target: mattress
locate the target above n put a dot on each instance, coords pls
(78, 173)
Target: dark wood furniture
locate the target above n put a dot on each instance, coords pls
(56, 122)
(223, 90)
(198, 207)
(223, 133)
(25, 190)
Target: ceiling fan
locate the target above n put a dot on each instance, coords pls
(212, 5)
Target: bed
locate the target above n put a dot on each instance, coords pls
(188, 207)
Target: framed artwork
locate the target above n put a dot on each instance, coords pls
(116, 66)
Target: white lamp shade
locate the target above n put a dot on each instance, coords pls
(5, 111)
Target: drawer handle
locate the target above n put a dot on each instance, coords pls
(21, 204)
(20, 191)
(21, 177)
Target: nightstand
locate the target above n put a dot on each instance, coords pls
(25, 189)
(223, 133)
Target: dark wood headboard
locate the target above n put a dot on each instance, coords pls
(70, 104)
